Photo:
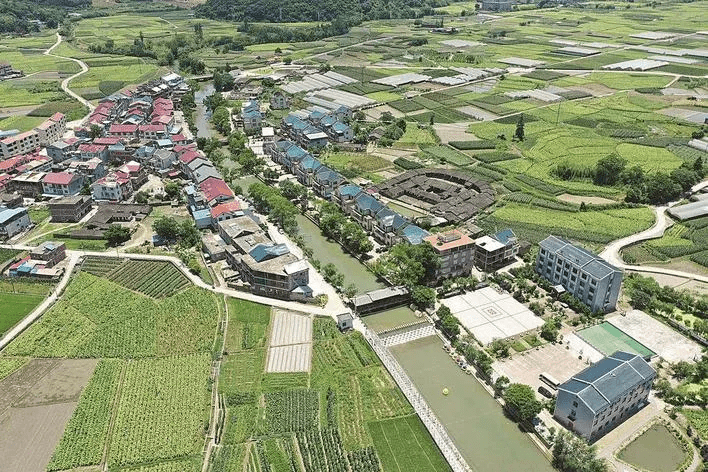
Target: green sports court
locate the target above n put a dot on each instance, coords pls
(607, 338)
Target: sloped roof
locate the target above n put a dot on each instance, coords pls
(214, 187)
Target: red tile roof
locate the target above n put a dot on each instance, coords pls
(115, 128)
(188, 156)
(214, 188)
(18, 137)
(59, 178)
(151, 128)
(92, 148)
(11, 163)
(178, 138)
(161, 120)
(185, 147)
(108, 140)
(227, 207)
(57, 117)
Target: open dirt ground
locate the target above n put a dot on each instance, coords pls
(36, 402)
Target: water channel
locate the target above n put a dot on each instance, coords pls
(475, 421)
(201, 120)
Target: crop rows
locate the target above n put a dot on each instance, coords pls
(322, 450)
(8, 365)
(364, 460)
(154, 278)
(229, 459)
(86, 433)
(101, 266)
(291, 410)
(162, 409)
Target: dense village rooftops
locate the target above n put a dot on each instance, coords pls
(116, 128)
(92, 148)
(310, 163)
(604, 382)
(349, 190)
(151, 128)
(18, 137)
(366, 202)
(107, 140)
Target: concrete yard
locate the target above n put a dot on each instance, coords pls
(290, 346)
(658, 337)
(491, 315)
(553, 359)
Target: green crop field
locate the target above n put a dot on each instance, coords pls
(8, 365)
(18, 298)
(355, 162)
(402, 442)
(98, 318)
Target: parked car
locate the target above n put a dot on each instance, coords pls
(545, 392)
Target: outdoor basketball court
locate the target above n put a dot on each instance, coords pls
(491, 315)
(607, 338)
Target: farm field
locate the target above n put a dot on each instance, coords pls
(18, 299)
(323, 415)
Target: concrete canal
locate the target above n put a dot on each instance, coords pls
(201, 119)
(475, 421)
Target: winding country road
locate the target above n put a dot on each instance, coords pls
(65, 82)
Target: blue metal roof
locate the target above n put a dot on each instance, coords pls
(414, 234)
(350, 190)
(504, 236)
(6, 214)
(366, 202)
(263, 252)
(341, 127)
(310, 163)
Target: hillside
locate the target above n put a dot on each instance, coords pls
(318, 10)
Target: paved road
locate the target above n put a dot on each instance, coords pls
(611, 252)
(65, 82)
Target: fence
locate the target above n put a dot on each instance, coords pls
(436, 429)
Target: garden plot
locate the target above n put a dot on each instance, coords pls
(290, 343)
(491, 315)
(658, 337)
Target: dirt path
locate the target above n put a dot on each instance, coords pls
(65, 82)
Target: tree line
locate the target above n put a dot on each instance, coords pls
(16, 16)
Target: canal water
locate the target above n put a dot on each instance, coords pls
(201, 120)
(474, 420)
(486, 438)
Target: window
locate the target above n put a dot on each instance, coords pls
(575, 404)
(572, 413)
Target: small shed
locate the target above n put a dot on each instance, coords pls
(345, 321)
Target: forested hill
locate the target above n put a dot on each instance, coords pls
(315, 10)
(16, 16)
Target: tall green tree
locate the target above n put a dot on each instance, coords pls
(521, 400)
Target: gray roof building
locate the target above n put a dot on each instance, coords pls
(585, 275)
(600, 397)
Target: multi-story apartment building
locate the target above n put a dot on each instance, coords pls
(13, 221)
(51, 130)
(603, 395)
(493, 252)
(23, 143)
(70, 209)
(583, 274)
(456, 252)
(62, 183)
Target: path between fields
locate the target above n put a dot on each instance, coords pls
(65, 82)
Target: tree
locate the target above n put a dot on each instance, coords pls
(350, 291)
(172, 189)
(521, 400)
(549, 330)
(608, 170)
(519, 133)
(116, 234)
(387, 117)
(685, 177)
(661, 188)
(141, 198)
(573, 454)
(189, 234)
(166, 228)
(423, 297)
(501, 383)
(95, 132)
(86, 189)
